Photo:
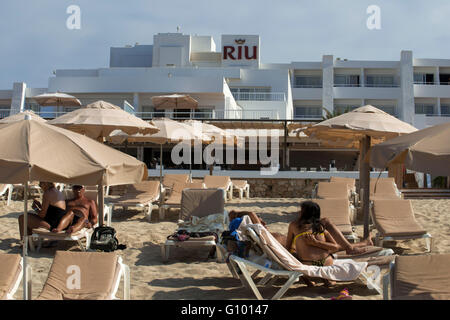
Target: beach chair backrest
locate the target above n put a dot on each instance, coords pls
(422, 277)
(383, 186)
(188, 185)
(9, 271)
(395, 216)
(338, 211)
(216, 181)
(144, 187)
(170, 180)
(350, 181)
(201, 202)
(97, 271)
(335, 190)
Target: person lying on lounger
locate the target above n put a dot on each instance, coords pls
(49, 213)
(80, 213)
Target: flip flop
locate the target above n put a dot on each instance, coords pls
(343, 295)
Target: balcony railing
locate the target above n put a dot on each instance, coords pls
(432, 83)
(347, 85)
(307, 86)
(381, 85)
(259, 96)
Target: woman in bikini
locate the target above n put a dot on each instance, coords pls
(308, 240)
(49, 213)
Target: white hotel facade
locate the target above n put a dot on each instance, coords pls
(232, 83)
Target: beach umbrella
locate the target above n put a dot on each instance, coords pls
(57, 99)
(97, 120)
(36, 151)
(361, 124)
(174, 101)
(216, 134)
(20, 116)
(170, 131)
(426, 150)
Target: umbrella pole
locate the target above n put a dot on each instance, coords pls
(160, 173)
(101, 204)
(364, 180)
(25, 241)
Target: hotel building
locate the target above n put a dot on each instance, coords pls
(231, 82)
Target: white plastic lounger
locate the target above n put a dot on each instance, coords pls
(6, 192)
(283, 264)
(11, 266)
(394, 220)
(86, 276)
(195, 205)
(220, 182)
(142, 195)
(242, 187)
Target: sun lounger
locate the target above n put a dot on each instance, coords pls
(174, 198)
(220, 182)
(280, 263)
(34, 191)
(86, 276)
(384, 188)
(341, 213)
(243, 188)
(418, 278)
(332, 190)
(199, 204)
(11, 266)
(351, 185)
(41, 234)
(171, 180)
(142, 195)
(6, 192)
(394, 220)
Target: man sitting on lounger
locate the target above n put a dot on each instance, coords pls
(80, 212)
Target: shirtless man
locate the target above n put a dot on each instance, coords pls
(80, 212)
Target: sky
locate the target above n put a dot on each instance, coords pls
(35, 39)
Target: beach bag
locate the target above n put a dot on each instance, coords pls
(104, 239)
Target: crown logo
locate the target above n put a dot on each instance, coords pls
(240, 41)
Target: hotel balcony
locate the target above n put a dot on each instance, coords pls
(432, 90)
(312, 92)
(370, 91)
(259, 96)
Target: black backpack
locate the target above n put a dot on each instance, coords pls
(104, 239)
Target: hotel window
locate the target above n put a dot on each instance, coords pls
(445, 110)
(308, 112)
(444, 79)
(252, 94)
(346, 80)
(423, 78)
(308, 82)
(380, 81)
(344, 108)
(424, 108)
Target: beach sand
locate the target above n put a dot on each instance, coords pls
(189, 275)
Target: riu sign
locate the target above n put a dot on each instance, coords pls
(240, 51)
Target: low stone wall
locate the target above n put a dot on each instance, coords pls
(264, 188)
(281, 188)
